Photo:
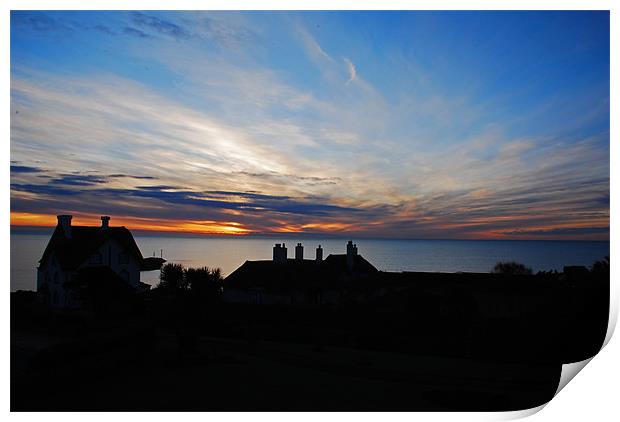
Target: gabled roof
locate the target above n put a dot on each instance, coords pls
(84, 241)
(296, 274)
(338, 262)
(273, 274)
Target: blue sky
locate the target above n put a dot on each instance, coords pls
(394, 124)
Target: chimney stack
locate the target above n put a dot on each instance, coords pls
(279, 253)
(105, 222)
(299, 252)
(351, 253)
(319, 254)
(64, 222)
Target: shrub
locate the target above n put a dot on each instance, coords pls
(204, 281)
(601, 267)
(172, 277)
(512, 268)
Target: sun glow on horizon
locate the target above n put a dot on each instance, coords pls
(197, 227)
(236, 229)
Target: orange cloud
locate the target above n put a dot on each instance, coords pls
(200, 227)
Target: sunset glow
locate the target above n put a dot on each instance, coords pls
(197, 227)
(237, 123)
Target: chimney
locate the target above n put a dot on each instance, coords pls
(105, 222)
(279, 253)
(299, 252)
(351, 253)
(319, 254)
(64, 222)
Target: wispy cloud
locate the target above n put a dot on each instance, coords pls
(482, 194)
(225, 33)
(78, 180)
(135, 32)
(104, 29)
(25, 169)
(38, 21)
(220, 127)
(159, 26)
(352, 70)
(313, 48)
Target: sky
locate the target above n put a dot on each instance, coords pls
(441, 125)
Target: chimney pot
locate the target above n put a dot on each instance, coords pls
(299, 252)
(279, 253)
(64, 222)
(351, 252)
(319, 254)
(105, 222)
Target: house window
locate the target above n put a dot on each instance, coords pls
(95, 258)
(123, 258)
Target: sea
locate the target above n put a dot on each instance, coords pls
(385, 254)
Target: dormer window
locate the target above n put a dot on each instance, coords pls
(95, 258)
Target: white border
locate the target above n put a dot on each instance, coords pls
(592, 395)
(311, 5)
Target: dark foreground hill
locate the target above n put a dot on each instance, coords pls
(428, 342)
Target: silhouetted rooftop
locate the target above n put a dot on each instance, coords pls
(84, 241)
(338, 262)
(151, 263)
(296, 273)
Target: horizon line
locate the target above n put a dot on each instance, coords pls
(338, 235)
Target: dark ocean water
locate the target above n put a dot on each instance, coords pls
(388, 255)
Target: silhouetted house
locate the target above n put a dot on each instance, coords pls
(297, 281)
(74, 249)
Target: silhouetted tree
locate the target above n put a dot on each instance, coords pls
(513, 268)
(172, 277)
(601, 267)
(204, 282)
